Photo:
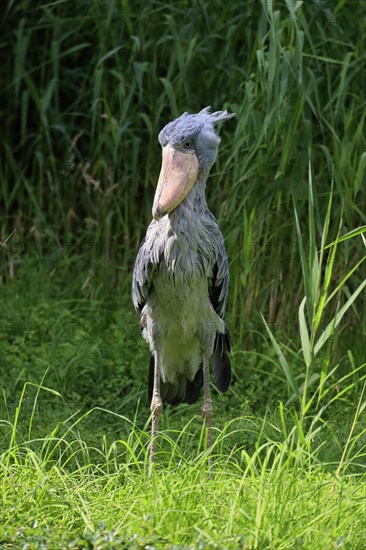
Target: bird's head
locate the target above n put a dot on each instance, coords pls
(190, 147)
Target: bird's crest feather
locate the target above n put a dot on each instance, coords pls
(217, 116)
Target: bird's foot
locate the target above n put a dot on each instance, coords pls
(207, 411)
(156, 404)
(156, 408)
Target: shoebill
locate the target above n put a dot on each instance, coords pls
(181, 277)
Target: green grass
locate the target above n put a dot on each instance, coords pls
(75, 437)
(86, 89)
(63, 492)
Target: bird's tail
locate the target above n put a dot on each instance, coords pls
(181, 390)
(221, 365)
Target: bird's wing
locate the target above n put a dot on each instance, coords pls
(141, 277)
(219, 288)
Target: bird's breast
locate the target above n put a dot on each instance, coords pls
(187, 258)
(181, 309)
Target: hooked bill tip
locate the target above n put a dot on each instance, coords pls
(157, 214)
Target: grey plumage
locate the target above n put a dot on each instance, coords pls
(181, 277)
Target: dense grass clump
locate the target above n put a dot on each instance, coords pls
(86, 87)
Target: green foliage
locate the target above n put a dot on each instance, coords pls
(86, 88)
(92, 84)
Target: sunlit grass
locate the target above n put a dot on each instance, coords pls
(60, 490)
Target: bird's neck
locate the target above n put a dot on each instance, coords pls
(193, 206)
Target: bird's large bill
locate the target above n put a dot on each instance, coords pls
(177, 176)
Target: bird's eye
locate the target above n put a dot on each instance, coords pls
(187, 144)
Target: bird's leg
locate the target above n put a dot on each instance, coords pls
(156, 405)
(207, 410)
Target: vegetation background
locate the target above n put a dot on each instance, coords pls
(86, 86)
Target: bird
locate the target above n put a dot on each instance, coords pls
(180, 280)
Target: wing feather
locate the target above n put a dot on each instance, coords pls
(219, 288)
(219, 291)
(141, 278)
